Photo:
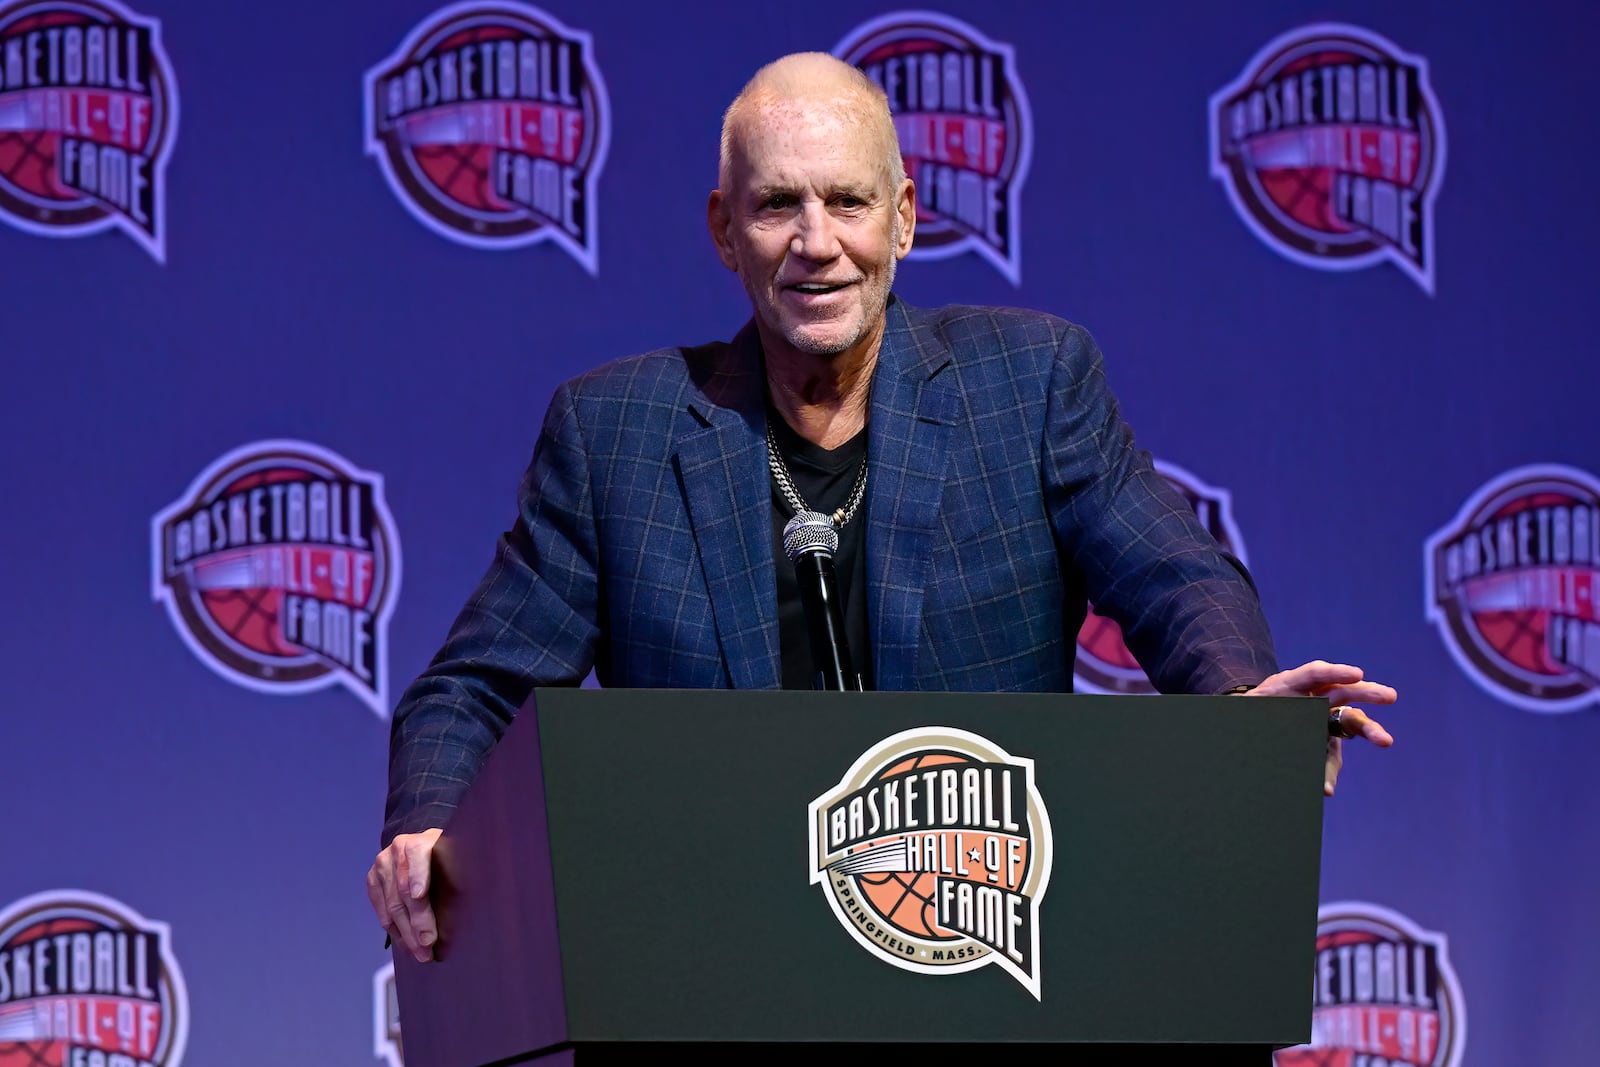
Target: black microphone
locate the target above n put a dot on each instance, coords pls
(809, 540)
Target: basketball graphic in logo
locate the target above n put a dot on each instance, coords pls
(964, 125)
(1513, 586)
(1331, 146)
(491, 124)
(909, 900)
(88, 118)
(1104, 664)
(279, 567)
(84, 980)
(1383, 994)
(934, 851)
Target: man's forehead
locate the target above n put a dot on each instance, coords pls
(860, 172)
(828, 130)
(862, 183)
(771, 115)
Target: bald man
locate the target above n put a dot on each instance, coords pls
(973, 463)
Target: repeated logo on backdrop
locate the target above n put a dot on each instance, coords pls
(279, 566)
(1383, 994)
(1513, 585)
(86, 981)
(88, 117)
(1104, 664)
(386, 1018)
(491, 124)
(1331, 146)
(965, 130)
(934, 851)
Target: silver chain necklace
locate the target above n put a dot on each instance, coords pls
(791, 495)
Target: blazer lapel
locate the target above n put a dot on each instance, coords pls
(722, 460)
(913, 410)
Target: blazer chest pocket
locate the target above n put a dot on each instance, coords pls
(976, 521)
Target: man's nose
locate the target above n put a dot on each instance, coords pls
(817, 236)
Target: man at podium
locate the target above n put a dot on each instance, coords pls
(967, 464)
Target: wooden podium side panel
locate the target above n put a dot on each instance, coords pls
(494, 991)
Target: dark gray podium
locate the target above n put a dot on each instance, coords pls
(630, 877)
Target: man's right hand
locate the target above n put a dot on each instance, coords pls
(397, 886)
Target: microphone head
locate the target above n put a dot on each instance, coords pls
(809, 531)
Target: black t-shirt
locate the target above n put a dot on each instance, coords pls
(824, 478)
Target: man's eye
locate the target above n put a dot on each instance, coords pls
(777, 202)
(851, 202)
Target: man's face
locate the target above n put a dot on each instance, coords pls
(811, 223)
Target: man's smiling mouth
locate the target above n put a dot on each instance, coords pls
(818, 288)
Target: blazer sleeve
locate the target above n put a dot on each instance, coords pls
(533, 621)
(1189, 611)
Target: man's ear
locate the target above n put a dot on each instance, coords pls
(718, 221)
(906, 205)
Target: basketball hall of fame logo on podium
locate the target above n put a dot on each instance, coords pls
(1383, 994)
(491, 124)
(1513, 585)
(88, 117)
(1331, 147)
(965, 130)
(86, 980)
(934, 851)
(279, 567)
(1104, 664)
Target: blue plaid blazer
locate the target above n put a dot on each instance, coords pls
(1004, 491)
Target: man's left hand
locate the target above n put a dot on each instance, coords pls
(1343, 685)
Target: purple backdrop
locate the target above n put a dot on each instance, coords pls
(303, 298)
